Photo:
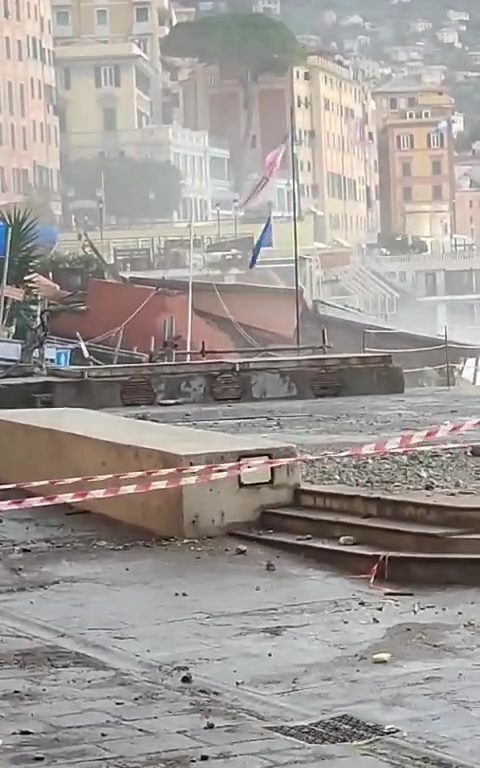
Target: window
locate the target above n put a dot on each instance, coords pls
(107, 77)
(24, 138)
(34, 47)
(34, 130)
(109, 119)
(29, 10)
(437, 192)
(67, 79)
(28, 45)
(142, 14)
(405, 141)
(412, 101)
(13, 142)
(436, 167)
(42, 131)
(17, 10)
(39, 89)
(10, 97)
(62, 18)
(393, 103)
(8, 48)
(101, 17)
(32, 87)
(23, 108)
(19, 50)
(6, 9)
(407, 194)
(406, 168)
(1, 134)
(436, 140)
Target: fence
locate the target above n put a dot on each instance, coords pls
(443, 347)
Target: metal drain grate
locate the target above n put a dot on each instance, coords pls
(341, 729)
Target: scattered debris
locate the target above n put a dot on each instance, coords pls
(209, 725)
(186, 678)
(381, 658)
(347, 541)
(241, 549)
(269, 566)
(304, 537)
(397, 473)
(397, 593)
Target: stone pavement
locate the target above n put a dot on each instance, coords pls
(98, 629)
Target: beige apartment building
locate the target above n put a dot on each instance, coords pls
(345, 151)
(416, 157)
(29, 131)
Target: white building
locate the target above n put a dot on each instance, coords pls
(420, 25)
(457, 17)
(204, 168)
(272, 7)
(449, 36)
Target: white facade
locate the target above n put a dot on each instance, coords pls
(272, 7)
(449, 36)
(204, 169)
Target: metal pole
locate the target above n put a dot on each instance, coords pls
(447, 358)
(219, 224)
(190, 293)
(235, 218)
(298, 335)
(3, 284)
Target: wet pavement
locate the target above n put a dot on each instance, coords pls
(128, 653)
(328, 422)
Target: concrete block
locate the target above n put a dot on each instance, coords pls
(40, 444)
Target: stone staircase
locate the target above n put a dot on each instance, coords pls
(416, 538)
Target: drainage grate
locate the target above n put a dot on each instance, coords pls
(325, 383)
(227, 386)
(341, 729)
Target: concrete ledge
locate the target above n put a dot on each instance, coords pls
(43, 444)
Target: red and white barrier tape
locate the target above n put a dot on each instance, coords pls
(123, 490)
(181, 476)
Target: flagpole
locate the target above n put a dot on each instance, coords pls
(298, 335)
(3, 285)
(190, 290)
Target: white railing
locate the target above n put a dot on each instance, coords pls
(470, 257)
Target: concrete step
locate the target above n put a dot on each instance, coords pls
(402, 567)
(439, 509)
(379, 532)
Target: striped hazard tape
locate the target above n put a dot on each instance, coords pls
(176, 477)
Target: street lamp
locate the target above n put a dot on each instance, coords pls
(219, 223)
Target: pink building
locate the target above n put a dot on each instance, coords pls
(29, 131)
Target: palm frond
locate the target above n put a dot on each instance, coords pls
(23, 242)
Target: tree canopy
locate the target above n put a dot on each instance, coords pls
(134, 188)
(251, 44)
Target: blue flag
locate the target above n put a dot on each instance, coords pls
(4, 238)
(264, 241)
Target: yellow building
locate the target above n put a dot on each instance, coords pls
(105, 98)
(112, 21)
(416, 153)
(345, 151)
